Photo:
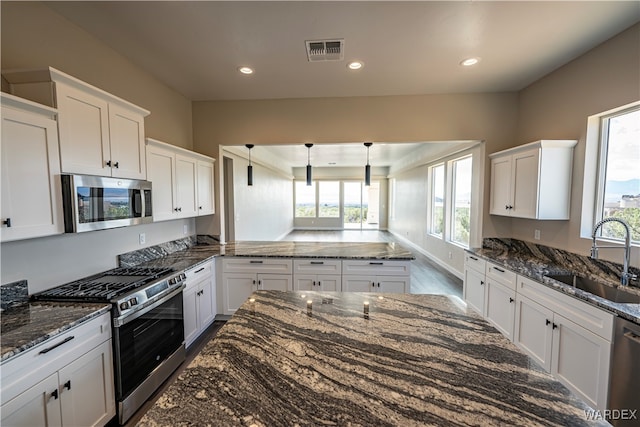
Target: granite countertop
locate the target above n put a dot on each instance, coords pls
(188, 256)
(418, 360)
(538, 266)
(29, 324)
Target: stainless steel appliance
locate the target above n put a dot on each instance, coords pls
(148, 326)
(96, 202)
(625, 375)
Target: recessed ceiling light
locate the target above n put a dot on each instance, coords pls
(245, 70)
(469, 62)
(355, 65)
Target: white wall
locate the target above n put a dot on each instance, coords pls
(263, 211)
(50, 261)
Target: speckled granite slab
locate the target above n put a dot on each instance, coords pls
(30, 324)
(537, 261)
(419, 360)
(14, 294)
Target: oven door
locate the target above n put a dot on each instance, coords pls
(145, 339)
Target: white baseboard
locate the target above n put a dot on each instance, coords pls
(458, 274)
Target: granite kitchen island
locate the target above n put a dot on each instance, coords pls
(416, 360)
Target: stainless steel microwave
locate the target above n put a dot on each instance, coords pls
(97, 203)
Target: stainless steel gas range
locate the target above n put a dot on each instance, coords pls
(148, 326)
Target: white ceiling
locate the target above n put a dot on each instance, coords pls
(408, 48)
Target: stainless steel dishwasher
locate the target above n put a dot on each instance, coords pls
(624, 389)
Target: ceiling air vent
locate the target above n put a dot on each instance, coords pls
(325, 50)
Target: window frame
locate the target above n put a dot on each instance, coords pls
(594, 179)
(431, 199)
(454, 180)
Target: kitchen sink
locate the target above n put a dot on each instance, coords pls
(611, 293)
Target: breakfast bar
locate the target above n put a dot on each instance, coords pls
(330, 358)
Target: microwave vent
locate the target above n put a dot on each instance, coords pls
(325, 50)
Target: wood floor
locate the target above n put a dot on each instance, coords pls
(426, 278)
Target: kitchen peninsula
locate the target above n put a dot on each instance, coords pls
(313, 358)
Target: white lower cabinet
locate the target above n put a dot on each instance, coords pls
(387, 284)
(317, 275)
(65, 381)
(242, 276)
(568, 337)
(199, 301)
(500, 307)
(473, 289)
(376, 276)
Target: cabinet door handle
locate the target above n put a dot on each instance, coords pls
(179, 209)
(376, 263)
(108, 163)
(313, 283)
(255, 262)
(378, 284)
(175, 209)
(200, 207)
(7, 222)
(67, 385)
(54, 394)
(511, 300)
(373, 284)
(64, 341)
(482, 283)
(319, 283)
(116, 165)
(554, 326)
(547, 322)
(506, 207)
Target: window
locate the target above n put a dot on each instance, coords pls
(461, 212)
(329, 199)
(436, 225)
(305, 199)
(619, 176)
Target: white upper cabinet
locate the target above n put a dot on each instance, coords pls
(100, 134)
(182, 181)
(31, 194)
(533, 180)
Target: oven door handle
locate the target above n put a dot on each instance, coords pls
(123, 320)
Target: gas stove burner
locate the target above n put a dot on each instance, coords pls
(104, 286)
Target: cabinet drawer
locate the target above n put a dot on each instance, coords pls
(598, 321)
(377, 267)
(501, 275)
(317, 266)
(200, 271)
(475, 262)
(29, 368)
(258, 265)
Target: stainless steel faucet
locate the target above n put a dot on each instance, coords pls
(626, 276)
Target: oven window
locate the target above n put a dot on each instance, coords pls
(144, 343)
(103, 204)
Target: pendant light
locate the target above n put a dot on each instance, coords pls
(367, 168)
(309, 178)
(250, 167)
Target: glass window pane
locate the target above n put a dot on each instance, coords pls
(461, 201)
(437, 200)
(329, 196)
(622, 175)
(305, 199)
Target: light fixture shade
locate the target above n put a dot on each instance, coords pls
(250, 167)
(309, 177)
(367, 168)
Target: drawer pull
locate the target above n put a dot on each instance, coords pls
(498, 269)
(316, 262)
(64, 341)
(376, 263)
(255, 262)
(198, 270)
(473, 258)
